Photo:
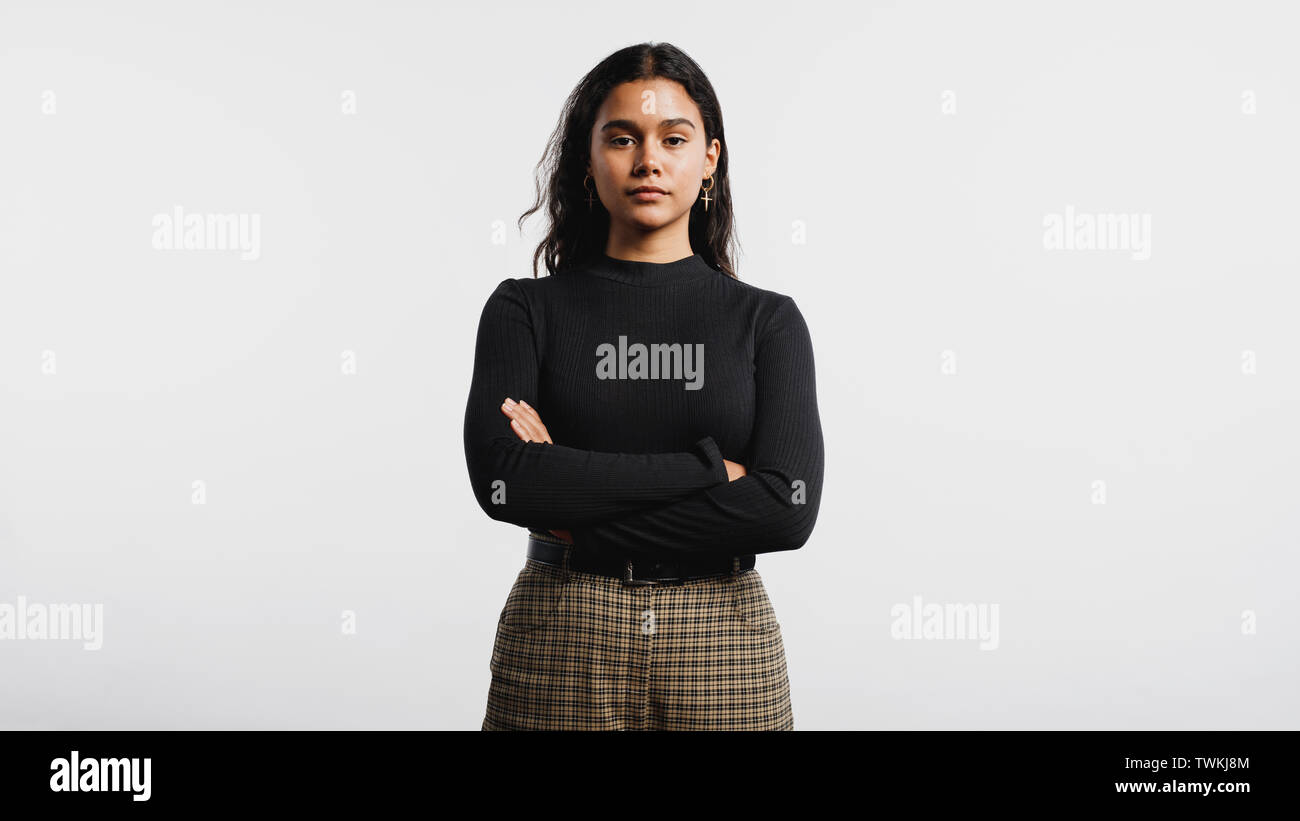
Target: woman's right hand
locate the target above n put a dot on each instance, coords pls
(734, 470)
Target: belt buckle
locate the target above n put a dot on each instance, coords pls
(627, 579)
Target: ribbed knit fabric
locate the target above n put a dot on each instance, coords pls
(636, 466)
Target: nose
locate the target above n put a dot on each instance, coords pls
(647, 162)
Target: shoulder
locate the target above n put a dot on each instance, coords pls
(507, 291)
(507, 303)
(763, 297)
(778, 322)
(524, 299)
(772, 311)
(530, 286)
(523, 290)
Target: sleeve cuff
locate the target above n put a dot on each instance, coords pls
(713, 458)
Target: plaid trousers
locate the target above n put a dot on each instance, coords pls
(580, 651)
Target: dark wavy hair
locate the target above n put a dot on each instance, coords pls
(577, 235)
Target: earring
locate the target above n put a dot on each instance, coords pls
(709, 180)
(590, 199)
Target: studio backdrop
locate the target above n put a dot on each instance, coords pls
(1045, 252)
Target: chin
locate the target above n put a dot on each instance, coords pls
(649, 222)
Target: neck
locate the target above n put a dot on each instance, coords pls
(647, 274)
(665, 245)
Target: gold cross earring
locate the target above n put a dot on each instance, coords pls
(590, 200)
(709, 180)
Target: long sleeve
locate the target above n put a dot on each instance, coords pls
(535, 484)
(774, 506)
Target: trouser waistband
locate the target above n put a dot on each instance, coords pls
(554, 551)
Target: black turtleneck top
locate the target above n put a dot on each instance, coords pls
(646, 375)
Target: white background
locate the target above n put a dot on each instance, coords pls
(329, 492)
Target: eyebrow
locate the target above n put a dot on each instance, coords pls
(631, 126)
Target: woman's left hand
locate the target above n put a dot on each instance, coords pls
(528, 426)
(525, 422)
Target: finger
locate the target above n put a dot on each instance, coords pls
(528, 426)
(528, 418)
(517, 421)
(522, 409)
(535, 425)
(517, 410)
(520, 430)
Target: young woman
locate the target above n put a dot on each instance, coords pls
(681, 434)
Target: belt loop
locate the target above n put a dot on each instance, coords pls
(735, 565)
(564, 566)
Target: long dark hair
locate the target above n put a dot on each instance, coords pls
(577, 235)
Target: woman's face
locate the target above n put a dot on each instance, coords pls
(650, 133)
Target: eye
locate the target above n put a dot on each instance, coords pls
(616, 139)
(683, 139)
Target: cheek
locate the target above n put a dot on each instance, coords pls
(610, 158)
(611, 173)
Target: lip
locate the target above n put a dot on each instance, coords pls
(647, 193)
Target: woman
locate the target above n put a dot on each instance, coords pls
(638, 606)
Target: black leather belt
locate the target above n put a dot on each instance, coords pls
(550, 550)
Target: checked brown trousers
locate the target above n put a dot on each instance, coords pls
(580, 651)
